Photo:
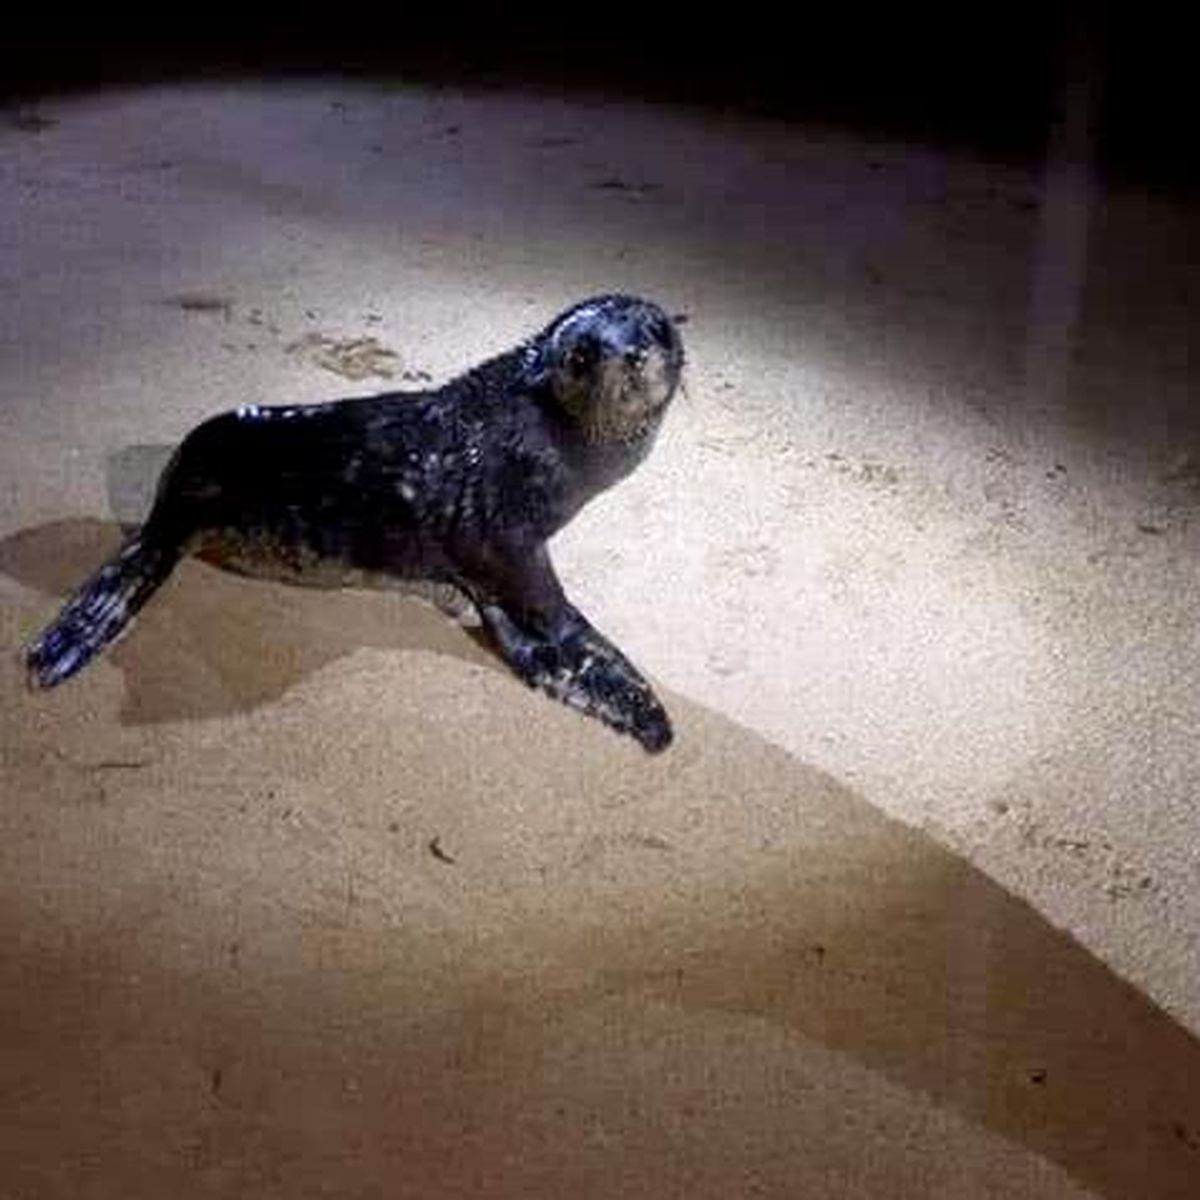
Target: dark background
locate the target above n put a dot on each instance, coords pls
(993, 79)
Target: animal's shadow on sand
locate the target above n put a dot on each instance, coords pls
(211, 642)
(478, 1017)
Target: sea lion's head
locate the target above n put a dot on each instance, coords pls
(613, 364)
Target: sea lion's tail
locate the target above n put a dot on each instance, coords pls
(100, 611)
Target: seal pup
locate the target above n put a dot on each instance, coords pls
(460, 485)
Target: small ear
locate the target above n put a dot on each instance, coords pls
(535, 370)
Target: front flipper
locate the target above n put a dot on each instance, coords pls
(581, 667)
(551, 645)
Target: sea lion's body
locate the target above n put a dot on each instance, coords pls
(459, 486)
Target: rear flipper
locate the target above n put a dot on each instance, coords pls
(585, 670)
(100, 611)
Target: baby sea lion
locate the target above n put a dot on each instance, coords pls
(460, 485)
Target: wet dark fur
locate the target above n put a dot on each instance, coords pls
(462, 485)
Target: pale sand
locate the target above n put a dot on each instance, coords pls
(910, 909)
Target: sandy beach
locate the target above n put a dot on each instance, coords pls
(304, 895)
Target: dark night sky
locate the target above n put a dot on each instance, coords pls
(991, 79)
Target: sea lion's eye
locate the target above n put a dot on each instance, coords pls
(583, 356)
